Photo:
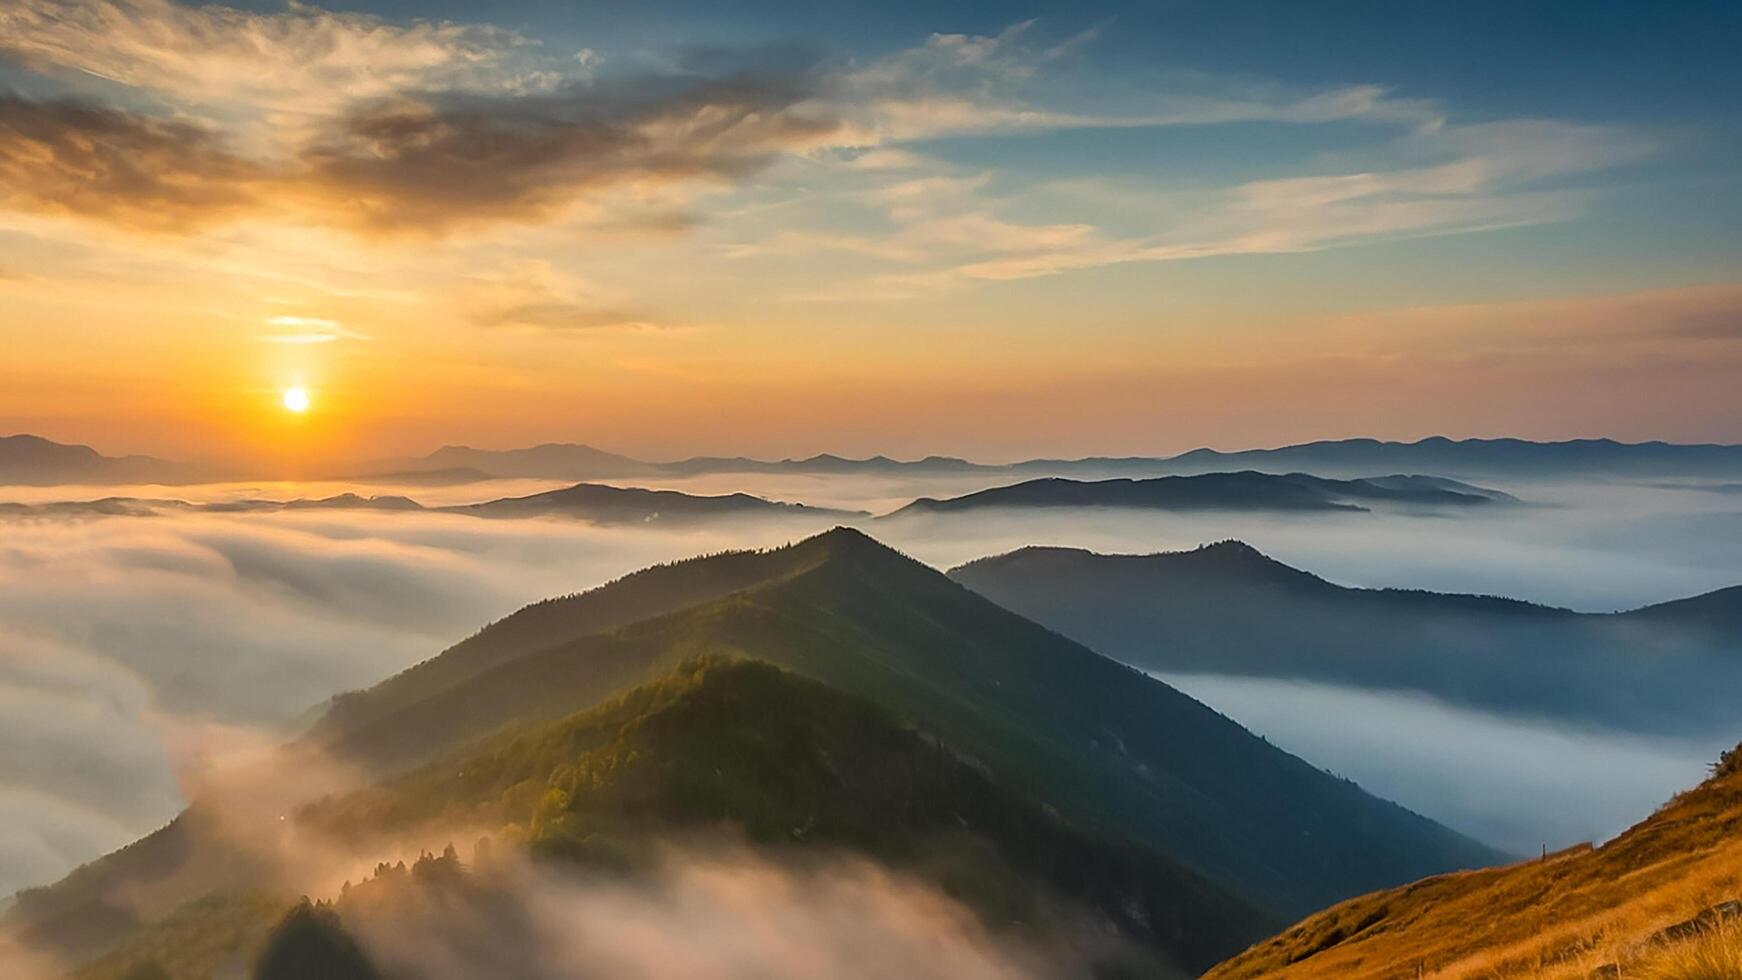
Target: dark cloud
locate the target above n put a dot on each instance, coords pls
(432, 163)
(426, 163)
(66, 157)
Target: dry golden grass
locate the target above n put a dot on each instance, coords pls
(1715, 955)
(1556, 919)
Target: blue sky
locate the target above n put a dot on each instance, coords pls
(876, 227)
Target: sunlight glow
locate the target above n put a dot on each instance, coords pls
(296, 399)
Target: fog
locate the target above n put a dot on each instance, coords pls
(714, 914)
(1517, 783)
(120, 636)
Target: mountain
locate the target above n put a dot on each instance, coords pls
(793, 764)
(1665, 892)
(1110, 751)
(34, 461)
(551, 460)
(1478, 458)
(1246, 490)
(1228, 609)
(586, 501)
(1348, 458)
(1074, 728)
(626, 505)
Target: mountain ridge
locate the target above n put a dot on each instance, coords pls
(1229, 609)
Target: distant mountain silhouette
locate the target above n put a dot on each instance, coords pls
(586, 501)
(1663, 892)
(1111, 752)
(551, 460)
(1217, 491)
(619, 505)
(1228, 609)
(1472, 458)
(34, 461)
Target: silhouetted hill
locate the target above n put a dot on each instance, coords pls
(551, 460)
(1474, 458)
(1664, 886)
(1217, 491)
(628, 505)
(589, 502)
(1227, 609)
(1478, 458)
(34, 461)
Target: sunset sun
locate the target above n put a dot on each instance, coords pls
(296, 399)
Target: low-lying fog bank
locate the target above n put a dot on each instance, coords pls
(1517, 783)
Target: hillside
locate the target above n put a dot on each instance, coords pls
(1242, 491)
(1585, 912)
(1109, 749)
(787, 761)
(785, 765)
(1074, 728)
(1229, 609)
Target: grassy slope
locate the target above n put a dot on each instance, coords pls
(1562, 917)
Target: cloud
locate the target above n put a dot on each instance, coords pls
(720, 913)
(137, 172)
(302, 60)
(1517, 783)
(132, 650)
(309, 330)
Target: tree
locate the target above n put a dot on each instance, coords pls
(310, 942)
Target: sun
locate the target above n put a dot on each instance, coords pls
(296, 399)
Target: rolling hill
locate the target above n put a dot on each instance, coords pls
(1111, 751)
(1228, 609)
(1658, 891)
(34, 461)
(1247, 490)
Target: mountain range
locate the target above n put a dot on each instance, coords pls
(592, 502)
(1349, 458)
(833, 692)
(1661, 900)
(1226, 608)
(1247, 490)
(33, 460)
(29, 460)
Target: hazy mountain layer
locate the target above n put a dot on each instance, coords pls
(1227, 609)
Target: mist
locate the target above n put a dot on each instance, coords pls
(121, 638)
(717, 913)
(1517, 783)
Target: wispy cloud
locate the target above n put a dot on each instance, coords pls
(309, 330)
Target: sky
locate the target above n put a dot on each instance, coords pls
(986, 229)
